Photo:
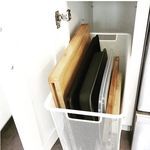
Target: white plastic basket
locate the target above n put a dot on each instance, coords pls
(104, 134)
(77, 134)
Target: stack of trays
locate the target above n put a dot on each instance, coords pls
(94, 83)
(84, 94)
(73, 96)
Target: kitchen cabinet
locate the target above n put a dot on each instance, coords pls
(115, 17)
(118, 17)
(35, 46)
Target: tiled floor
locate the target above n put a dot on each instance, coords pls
(11, 141)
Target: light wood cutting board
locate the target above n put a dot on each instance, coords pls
(62, 76)
(114, 96)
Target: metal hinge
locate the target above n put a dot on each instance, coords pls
(64, 17)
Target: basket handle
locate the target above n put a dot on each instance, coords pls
(86, 118)
(105, 36)
(109, 37)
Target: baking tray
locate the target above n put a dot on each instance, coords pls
(88, 97)
(73, 96)
(102, 102)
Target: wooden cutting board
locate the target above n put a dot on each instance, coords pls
(62, 76)
(114, 96)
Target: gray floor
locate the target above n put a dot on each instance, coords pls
(126, 140)
(10, 139)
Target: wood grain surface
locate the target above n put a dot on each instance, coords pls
(62, 76)
(114, 96)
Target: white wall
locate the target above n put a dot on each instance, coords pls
(81, 12)
(114, 16)
(4, 110)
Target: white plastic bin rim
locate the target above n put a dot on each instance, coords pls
(49, 105)
(107, 34)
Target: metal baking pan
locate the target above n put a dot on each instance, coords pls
(73, 96)
(90, 88)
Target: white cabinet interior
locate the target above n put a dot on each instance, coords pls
(117, 17)
(110, 17)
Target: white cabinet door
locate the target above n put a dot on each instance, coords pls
(31, 48)
(141, 133)
(144, 103)
(4, 110)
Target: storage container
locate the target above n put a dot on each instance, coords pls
(76, 134)
(104, 134)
